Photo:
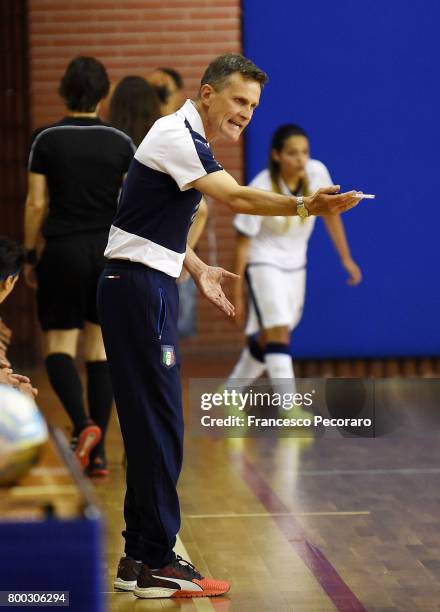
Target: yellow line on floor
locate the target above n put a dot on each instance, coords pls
(269, 515)
(61, 489)
(49, 470)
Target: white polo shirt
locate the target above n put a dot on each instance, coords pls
(157, 206)
(281, 241)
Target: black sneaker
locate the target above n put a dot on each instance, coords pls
(128, 572)
(177, 579)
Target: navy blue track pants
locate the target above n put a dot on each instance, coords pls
(138, 310)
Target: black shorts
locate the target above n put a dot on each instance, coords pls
(67, 275)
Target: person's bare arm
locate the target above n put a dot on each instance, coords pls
(198, 226)
(34, 213)
(35, 208)
(223, 187)
(208, 280)
(195, 231)
(241, 252)
(335, 228)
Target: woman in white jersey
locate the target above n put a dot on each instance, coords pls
(271, 256)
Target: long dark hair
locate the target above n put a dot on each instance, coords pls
(134, 107)
(278, 141)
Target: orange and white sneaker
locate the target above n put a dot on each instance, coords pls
(177, 579)
(85, 442)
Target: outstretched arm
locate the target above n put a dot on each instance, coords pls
(336, 231)
(223, 187)
(208, 280)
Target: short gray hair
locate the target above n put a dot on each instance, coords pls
(220, 69)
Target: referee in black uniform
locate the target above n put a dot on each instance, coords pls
(76, 169)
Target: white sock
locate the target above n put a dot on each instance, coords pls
(281, 374)
(247, 368)
(279, 365)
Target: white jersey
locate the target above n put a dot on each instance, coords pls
(157, 204)
(281, 241)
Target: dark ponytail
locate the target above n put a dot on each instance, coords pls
(283, 133)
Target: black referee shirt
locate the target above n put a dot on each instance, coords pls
(84, 160)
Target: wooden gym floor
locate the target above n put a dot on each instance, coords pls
(296, 524)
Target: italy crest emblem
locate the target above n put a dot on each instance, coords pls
(168, 356)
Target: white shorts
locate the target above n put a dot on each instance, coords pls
(275, 297)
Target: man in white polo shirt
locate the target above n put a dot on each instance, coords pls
(138, 304)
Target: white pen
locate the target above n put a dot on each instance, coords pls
(365, 196)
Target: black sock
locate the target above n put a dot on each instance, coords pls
(254, 348)
(66, 383)
(100, 396)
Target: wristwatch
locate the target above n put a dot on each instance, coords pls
(301, 208)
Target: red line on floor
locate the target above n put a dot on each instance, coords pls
(337, 590)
